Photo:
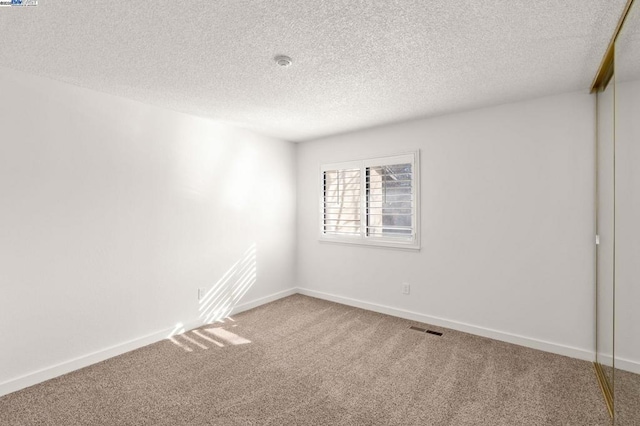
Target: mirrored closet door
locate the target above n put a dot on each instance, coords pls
(606, 239)
(627, 221)
(617, 89)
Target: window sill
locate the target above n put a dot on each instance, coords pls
(408, 246)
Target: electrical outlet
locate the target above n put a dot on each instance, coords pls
(406, 288)
(201, 292)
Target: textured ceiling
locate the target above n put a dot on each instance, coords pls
(356, 63)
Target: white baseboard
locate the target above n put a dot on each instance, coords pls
(65, 367)
(456, 325)
(621, 363)
(627, 365)
(262, 301)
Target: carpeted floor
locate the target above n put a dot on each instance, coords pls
(627, 398)
(304, 361)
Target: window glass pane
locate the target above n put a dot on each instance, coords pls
(389, 201)
(342, 202)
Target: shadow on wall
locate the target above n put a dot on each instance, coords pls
(217, 304)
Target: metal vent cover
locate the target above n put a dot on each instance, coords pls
(424, 330)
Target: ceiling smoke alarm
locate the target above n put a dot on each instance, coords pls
(283, 61)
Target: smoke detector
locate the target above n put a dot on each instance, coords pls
(283, 61)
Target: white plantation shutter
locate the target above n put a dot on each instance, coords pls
(371, 201)
(389, 201)
(342, 197)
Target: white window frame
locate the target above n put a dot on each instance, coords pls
(412, 243)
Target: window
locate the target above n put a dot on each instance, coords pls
(371, 202)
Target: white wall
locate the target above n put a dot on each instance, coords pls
(507, 224)
(113, 213)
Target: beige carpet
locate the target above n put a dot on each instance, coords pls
(627, 398)
(311, 362)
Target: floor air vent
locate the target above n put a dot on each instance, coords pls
(423, 330)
